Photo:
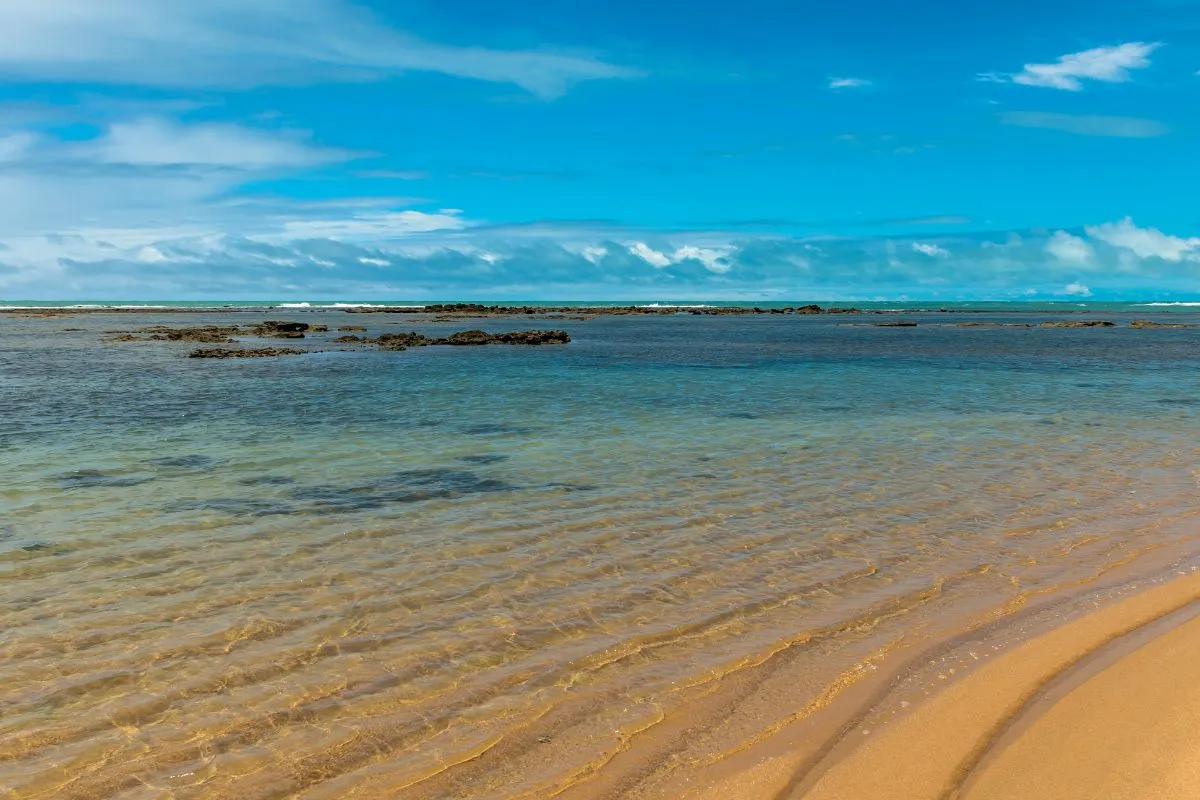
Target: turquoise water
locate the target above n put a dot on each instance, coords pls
(377, 574)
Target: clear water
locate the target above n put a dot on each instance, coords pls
(377, 574)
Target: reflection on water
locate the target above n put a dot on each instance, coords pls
(478, 573)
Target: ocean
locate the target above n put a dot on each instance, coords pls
(455, 572)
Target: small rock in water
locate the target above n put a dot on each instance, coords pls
(207, 334)
(512, 337)
(282, 330)
(227, 352)
(1145, 323)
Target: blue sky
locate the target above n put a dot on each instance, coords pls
(307, 149)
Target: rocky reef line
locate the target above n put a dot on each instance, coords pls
(225, 335)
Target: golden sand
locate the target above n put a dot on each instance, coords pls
(1106, 706)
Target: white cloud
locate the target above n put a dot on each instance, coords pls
(713, 260)
(651, 256)
(162, 142)
(1107, 64)
(1146, 242)
(392, 254)
(931, 250)
(244, 43)
(594, 255)
(1087, 125)
(150, 254)
(848, 83)
(14, 145)
(1070, 249)
(375, 226)
(150, 171)
(397, 175)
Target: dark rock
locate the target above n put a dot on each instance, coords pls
(352, 328)
(226, 352)
(989, 324)
(812, 308)
(209, 334)
(512, 337)
(351, 340)
(475, 337)
(1081, 323)
(1145, 323)
(402, 341)
(281, 330)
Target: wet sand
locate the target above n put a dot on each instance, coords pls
(1104, 706)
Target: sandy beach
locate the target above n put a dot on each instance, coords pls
(1105, 706)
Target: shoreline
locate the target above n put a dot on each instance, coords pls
(1088, 706)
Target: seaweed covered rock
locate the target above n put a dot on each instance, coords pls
(1146, 323)
(536, 337)
(228, 352)
(282, 330)
(475, 337)
(1081, 323)
(208, 334)
(403, 341)
(352, 329)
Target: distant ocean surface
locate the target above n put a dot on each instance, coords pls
(989, 306)
(485, 572)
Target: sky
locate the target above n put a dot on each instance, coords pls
(599, 149)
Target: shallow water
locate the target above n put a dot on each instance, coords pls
(351, 573)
